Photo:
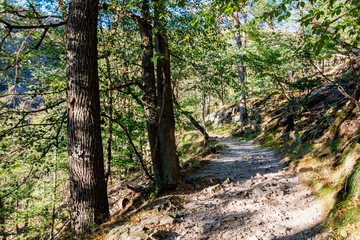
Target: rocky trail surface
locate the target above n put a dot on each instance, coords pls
(244, 192)
(256, 197)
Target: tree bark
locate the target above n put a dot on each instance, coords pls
(150, 96)
(2, 219)
(240, 41)
(208, 105)
(110, 111)
(88, 196)
(203, 106)
(167, 151)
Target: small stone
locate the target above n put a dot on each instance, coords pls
(157, 235)
(281, 193)
(203, 237)
(167, 220)
(281, 229)
(150, 220)
(228, 220)
(257, 191)
(228, 181)
(189, 223)
(212, 181)
(199, 229)
(126, 232)
(268, 236)
(214, 189)
(226, 235)
(343, 233)
(123, 203)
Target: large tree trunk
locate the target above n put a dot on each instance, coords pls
(167, 150)
(149, 99)
(88, 197)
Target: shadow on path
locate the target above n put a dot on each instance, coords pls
(263, 200)
(241, 161)
(310, 233)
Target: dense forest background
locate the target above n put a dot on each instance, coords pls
(149, 72)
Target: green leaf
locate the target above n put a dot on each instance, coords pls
(195, 24)
(181, 3)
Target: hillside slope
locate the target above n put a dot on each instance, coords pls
(318, 131)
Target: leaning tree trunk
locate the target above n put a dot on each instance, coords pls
(149, 99)
(193, 121)
(167, 147)
(88, 197)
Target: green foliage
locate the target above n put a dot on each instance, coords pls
(204, 65)
(327, 19)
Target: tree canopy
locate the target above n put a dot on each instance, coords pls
(156, 68)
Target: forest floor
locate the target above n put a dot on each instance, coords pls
(257, 197)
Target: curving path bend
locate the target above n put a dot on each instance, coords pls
(258, 198)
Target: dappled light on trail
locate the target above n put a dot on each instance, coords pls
(257, 197)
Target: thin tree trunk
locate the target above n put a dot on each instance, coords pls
(222, 93)
(240, 41)
(203, 106)
(169, 159)
(54, 198)
(110, 111)
(109, 139)
(2, 219)
(88, 196)
(208, 105)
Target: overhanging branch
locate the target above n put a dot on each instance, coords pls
(42, 25)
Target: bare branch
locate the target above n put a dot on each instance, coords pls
(38, 110)
(42, 25)
(36, 47)
(127, 85)
(31, 94)
(7, 35)
(17, 13)
(343, 14)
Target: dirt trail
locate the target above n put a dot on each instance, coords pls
(261, 200)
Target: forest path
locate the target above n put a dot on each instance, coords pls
(261, 200)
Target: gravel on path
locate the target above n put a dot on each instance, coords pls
(257, 198)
